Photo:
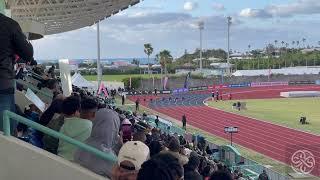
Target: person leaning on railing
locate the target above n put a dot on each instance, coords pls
(12, 42)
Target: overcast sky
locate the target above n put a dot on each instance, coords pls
(171, 24)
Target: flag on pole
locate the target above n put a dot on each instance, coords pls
(186, 82)
(130, 82)
(165, 82)
(153, 82)
(269, 74)
(102, 88)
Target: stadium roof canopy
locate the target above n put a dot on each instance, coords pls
(59, 16)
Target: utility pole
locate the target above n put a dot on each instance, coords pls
(201, 27)
(98, 56)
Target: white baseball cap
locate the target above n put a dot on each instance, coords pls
(135, 152)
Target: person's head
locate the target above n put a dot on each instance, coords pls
(71, 106)
(132, 155)
(174, 145)
(89, 108)
(155, 148)
(207, 171)
(126, 122)
(139, 136)
(221, 175)
(264, 171)
(161, 166)
(102, 124)
(194, 162)
(53, 85)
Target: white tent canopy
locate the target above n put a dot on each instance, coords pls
(81, 82)
(65, 15)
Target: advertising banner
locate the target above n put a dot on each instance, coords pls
(239, 85)
(301, 82)
(219, 86)
(166, 92)
(193, 88)
(203, 88)
(267, 84)
(180, 90)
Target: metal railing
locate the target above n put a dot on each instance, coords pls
(8, 116)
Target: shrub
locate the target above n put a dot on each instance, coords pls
(135, 82)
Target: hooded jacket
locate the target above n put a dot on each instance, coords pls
(76, 128)
(12, 42)
(104, 137)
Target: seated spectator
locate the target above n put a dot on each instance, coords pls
(207, 172)
(155, 134)
(174, 149)
(51, 72)
(126, 130)
(155, 148)
(104, 136)
(161, 167)
(263, 175)
(191, 169)
(221, 175)
(131, 156)
(53, 109)
(89, 108)
(139, 136)
(74, 126)
(27, 133)
(53, 119)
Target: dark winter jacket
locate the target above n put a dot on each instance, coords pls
(12, 42)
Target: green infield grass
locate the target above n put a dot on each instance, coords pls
(283, 111)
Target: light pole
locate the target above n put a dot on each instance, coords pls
(228, 58)
(201, 27)
(98, 56)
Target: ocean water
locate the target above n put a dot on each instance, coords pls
(103, 61)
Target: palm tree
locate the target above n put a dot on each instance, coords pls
(303, 40)
(164, 58)
(275, 43)
(148, 50)
(285, 60)
(298, 42)
(293, 43)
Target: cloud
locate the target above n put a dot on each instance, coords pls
(254, 13)
(124, 36)
(218, 7)
(190, 6)
(299, 7)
